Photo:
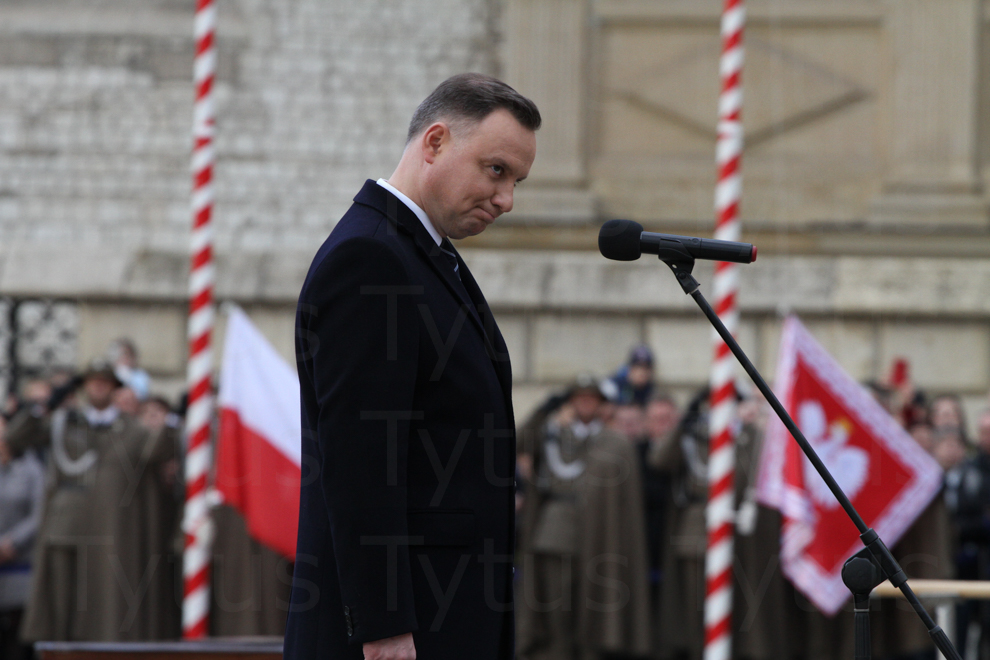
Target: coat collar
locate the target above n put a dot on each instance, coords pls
(402, 219)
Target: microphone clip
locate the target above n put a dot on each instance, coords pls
(681, 262)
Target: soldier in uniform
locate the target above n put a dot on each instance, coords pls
(92, 567)
(584, 591)
(684, 455)
(766, 624)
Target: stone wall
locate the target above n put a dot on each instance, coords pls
(865, 171)
(312, 98)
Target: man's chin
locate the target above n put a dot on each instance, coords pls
(469, 229)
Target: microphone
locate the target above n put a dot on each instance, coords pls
(625, 240)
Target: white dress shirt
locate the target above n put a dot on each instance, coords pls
(414, 207)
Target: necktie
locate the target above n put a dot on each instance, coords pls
(448, 252)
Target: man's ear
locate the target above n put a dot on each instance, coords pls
(434, 138)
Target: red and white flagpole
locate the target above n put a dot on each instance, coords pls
(721, 459)
(196, 523)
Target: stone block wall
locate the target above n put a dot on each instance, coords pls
(312, 98)
(865, 174)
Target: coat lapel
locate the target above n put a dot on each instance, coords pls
(498, 351)
(403, 219)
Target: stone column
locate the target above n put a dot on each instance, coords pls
(545, 57)
(933, 173)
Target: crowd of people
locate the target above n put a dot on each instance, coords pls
(612, 489)
(89, 507)
(612, 537)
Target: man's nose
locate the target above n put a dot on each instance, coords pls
(503, 198)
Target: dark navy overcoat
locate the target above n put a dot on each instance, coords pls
(406, 509)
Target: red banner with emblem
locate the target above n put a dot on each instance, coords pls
(887, 476)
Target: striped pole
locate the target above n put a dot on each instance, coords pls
(721, 462)
(196, 523)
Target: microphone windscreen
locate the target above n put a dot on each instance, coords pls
(620, 240)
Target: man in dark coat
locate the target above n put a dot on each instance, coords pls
(407, 498)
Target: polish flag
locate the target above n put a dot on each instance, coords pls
(886, 475)
(258, 447)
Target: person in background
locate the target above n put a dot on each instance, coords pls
(766, 625)
(948, 447)
(925, 553)
(91, 545)
(33, 392)
(967, 495)
(36, 391)
(529, 439)
(946, 412)
(922, 434)
(662, 418)
(630, 421)
(907, 402)
(10, 406)
(633, 383)
(126, 401)
(684, 455)
(583, 593)
(883, 395)
(156, 415)
(949, 441)
(22, 487)
(123, 354)
(163, 496)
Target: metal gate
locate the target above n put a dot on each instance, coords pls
(37, 338)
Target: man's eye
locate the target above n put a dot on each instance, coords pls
(498, 169)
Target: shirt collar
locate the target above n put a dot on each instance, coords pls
(103, 417)
(414, 207)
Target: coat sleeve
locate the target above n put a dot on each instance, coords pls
(362, 310)
(23, 533)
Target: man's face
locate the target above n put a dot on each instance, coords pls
(983, 432)
(126, 400)
(473, 170)
(37, 391)
(945, 413)
(628, 420)
(99, 391)
(153, 415)
(661, 418)
(586, 404)
(640, 374)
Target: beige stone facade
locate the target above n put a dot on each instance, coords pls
(865, 175)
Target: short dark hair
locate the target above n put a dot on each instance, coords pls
(472, 96)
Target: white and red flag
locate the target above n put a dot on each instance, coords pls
(887, 476)
(258, 447)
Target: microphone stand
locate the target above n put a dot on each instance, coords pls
(869, 567)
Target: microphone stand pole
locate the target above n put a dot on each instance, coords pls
(870, 566)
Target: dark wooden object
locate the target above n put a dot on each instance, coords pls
(255, 648)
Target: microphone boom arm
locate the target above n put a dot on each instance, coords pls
(682, 264)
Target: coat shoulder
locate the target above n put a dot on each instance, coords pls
(363, 241)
